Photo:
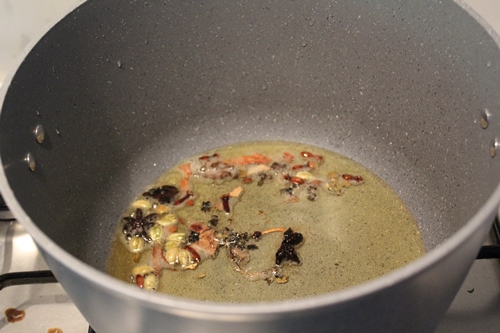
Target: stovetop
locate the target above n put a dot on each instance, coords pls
(46, 306)
(476, 307)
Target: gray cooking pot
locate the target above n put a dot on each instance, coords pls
(124, 90)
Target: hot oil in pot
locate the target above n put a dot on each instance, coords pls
(263, 221)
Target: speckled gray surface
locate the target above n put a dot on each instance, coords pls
(397, 86)
(392, 87)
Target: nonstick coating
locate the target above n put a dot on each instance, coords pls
(126, 89)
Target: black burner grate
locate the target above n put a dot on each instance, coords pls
(492, 251)
(30, 277)
(5, 214)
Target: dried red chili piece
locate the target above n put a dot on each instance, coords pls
(307, 165)
(198, 227)
(297, 180)
(184, 198)
(225, 202)
(287, 191)
(292, 238)
(287, 157)
(194, 253)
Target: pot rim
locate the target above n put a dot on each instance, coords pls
(186, 306)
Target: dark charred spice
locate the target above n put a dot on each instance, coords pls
(139, 225)
(311, 193)
(287, 191)
(184, 198)
(193, 237)
(257, 235)
(225, 203)
(217, 165)
(214, 220)
(278, 166)
(206, 206)
(263, 177)
(204, 235)
(164, 194)
(252, 247)
(234, 239)
(223, 170)
(226, 174)
(287, 252)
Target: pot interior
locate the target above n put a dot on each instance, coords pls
(125, 91)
